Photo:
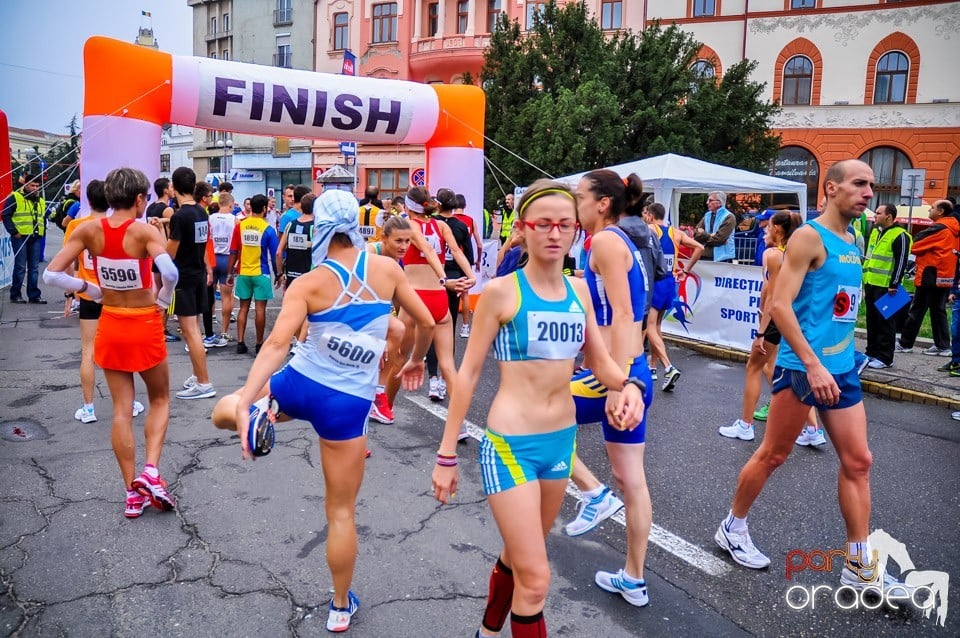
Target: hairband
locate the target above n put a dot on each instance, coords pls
(412, 205)
(539, 194)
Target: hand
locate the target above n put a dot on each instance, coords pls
(824, 387)
(629, 407)
(243, 425)
(893, 291)
(445, 481)
(412, 375)
(209, 278)
(612, 409)
(758, 344)
(950, 297)
(278, 281)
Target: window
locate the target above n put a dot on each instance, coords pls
(797, 81)
(213, 25)
(797, 164)
(215, 164)
(165, 163)
(534, 8)
(283, 14)
(385, 22)
(283, 57)
(433, 18)
(803, 4)
(341, 31)
(463, 15)
(226, 22)
(225, 54)
(494, 9)
(611, 14)
(700, 70)
(953, 180)
(703, 8)
(891, 82)
(213, 55)
(392, 182)
(887, 164)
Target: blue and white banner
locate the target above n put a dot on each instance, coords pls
(6, 259)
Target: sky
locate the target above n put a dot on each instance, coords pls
(41, 51)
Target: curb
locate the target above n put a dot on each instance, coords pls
(873, 387)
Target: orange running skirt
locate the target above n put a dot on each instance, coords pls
(129, 339)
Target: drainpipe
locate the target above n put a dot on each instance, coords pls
(746, 12)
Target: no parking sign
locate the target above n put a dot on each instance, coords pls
(419, 177)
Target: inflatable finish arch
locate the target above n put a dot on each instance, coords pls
(130, 92)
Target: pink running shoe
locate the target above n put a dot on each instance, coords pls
(135, 505)
(381, 410)
(156, 490)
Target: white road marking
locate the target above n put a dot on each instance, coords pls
(664, 539)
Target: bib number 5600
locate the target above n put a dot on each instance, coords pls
(350, 351)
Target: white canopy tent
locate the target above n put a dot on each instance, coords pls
(667, 176)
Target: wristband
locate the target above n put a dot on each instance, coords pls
(446, 460)
(637, 382)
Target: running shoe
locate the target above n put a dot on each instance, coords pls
(949, 367)
(85, 416)
(186, 348)
(233, 318)
(381, 411)
(242, 348)
(850, 578)
(137, 408)
(860, 361)
(899, 348)
(616, 583)
(170, 337)
(814, 437)
(198, 391)
(653, 374)
(209, 341)
(761, 414)
(670, 377)
(261, 435)
(739, 430)
(442, 388)
(135, 504)
(464, 435)
(934, 351)
(154, 489)
(741, 548)
(593, 512)
(955, 415)
(877, 364)
(257, 348)
(465, 331)
(339, 619)
(434, 389)
(190, 382)
(955, 372)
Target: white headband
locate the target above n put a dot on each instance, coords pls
(412, 205)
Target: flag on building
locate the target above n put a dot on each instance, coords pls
(349, 64)
(144, 13)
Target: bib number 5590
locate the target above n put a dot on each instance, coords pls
(351, 351)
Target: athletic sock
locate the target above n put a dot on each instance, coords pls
(500, 597)
(734, 524)
(151, 470)
(88, 407)
(528, 626)
(594, 493)
(380, 389)
(631, 579)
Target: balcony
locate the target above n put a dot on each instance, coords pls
(210, 37)
(440, 58)
(283, 60)
(282, 17)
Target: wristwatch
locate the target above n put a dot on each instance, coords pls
(443, 281)
(637, 382)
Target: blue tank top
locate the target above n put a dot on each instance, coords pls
(636, 277)
(345, 341)
(540, 328)
(668, 243)
(827, 305)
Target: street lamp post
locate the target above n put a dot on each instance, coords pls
(225, 145)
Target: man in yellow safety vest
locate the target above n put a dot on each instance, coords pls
(24, 218)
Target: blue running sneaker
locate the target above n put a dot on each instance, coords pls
(617, 583)
(339, 619)
(593, 512)
(260, 434)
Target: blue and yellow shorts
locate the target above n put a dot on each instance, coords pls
(509, 460)
(590, 397)
(796, 381)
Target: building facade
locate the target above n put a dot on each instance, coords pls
(856, 78)
(277, 33)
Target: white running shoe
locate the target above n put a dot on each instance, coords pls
(198, 391)
(465, 331)
(739, 430)
(593, 512)
(670, 377)
(137, 408)
(653, 374)
(741, 548)
(85, 416)
(190, 382)
(339, 619)
(877, 364)
(857, 581)
(898, 348)
(615, 583)
(434, 389)
(464, 435)
(808, 437)
(186, 348)
(442, 388)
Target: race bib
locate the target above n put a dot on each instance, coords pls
(250, 238)
(298, 241)
(349, 349)
(200, 232)
(669, 260)
(846, 303)
(554, 335)
(368, 231)
(119, 274)
(221, 245)
(87, 260)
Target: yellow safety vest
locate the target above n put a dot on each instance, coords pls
(506, 224)
(28, 218)
(878, 264)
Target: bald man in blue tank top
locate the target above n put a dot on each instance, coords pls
(815, 306)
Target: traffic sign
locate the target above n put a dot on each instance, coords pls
(348, 148)
(419, 177)
(911, 183)
(317, 172)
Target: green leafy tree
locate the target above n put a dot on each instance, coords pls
(566, 98)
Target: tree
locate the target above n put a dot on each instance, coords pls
(566, 98)
(62, 162)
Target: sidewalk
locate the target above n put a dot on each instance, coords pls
(913, 377)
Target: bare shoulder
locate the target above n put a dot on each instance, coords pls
(805, 247)
(579, 286)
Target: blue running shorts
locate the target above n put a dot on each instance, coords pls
(796, 381)
(509, 460)
(664, 293)
(590, 397)
(335, 415)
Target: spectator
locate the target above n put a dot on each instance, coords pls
(295, 210)
(252, 251)
(953, 366)
(935, 249)
(61, 219)
(24, 218)
(757, 233)
(715, 230)
(883, 268)
(371, 195)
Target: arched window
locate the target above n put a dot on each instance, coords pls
(797, 164)
(891, 82)
(953, 180)
(797, 81)
(887, 164)
(702, 69)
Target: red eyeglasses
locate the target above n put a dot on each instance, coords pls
(565, 227)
